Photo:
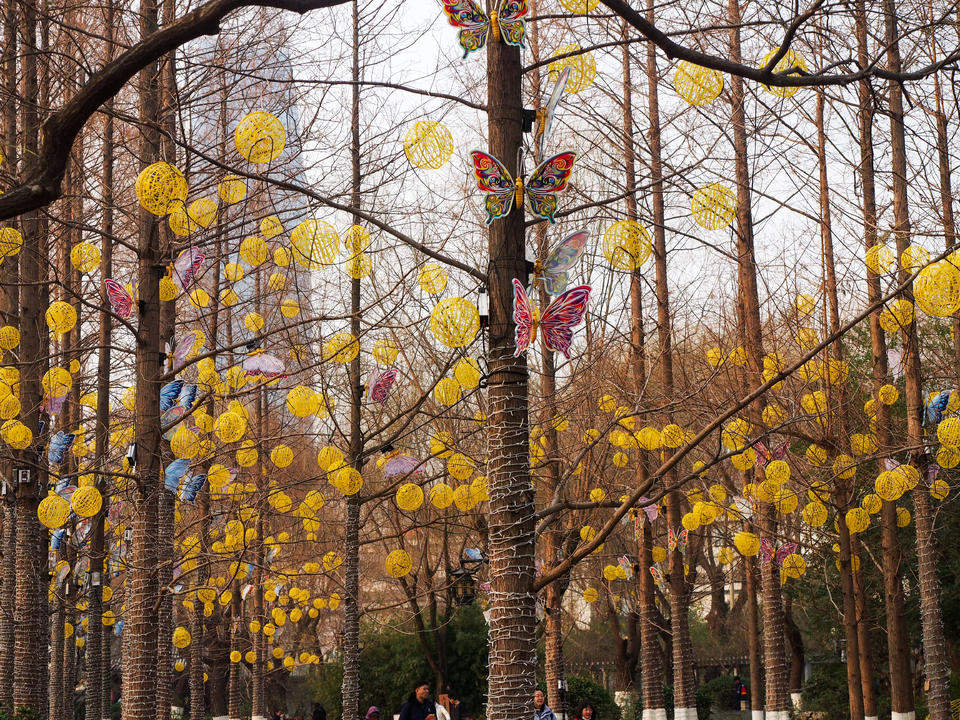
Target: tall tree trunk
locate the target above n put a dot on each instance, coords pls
(30, 616)
(141, 618)
(351, 614)
(512, 663)
(936, 665)
(754, 644)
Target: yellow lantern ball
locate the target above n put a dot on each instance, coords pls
(254, 250)
(53, 511)
(582, 66)
(428, 144)
(341, 348)
(455, 322)
(626, 245)
(85, 257)
(232, 189)
(697, 85)
(409, 497)
(181, 638)
(260, 137)
(747, 543)
(11, 241)
(161, 188)
(398, 563)
(314, 244)
(792, 61)
(61, 317)
(441, 496)
(281, 456)
(714, 206)
(432, 279)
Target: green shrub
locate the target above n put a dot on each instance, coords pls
(581, 690)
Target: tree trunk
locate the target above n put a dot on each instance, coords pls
(512, 662)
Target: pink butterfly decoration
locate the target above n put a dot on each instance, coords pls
(263, 364)
(53, 406)
(186, 265)
(183, 348)
(557, 322)
(651, 509)
(379, 385)
(120, 298)
(767, 552)
(401, 464)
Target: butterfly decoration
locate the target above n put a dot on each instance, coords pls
(169, 394)
(188, 493)
(767, 552)
(57, 538)
(650, 509)
(552, 272)
(118, 628)
(557, 322)
(677, 541)
(173, 472)
(186, 265)
(624, 562)
(170, 419)
(53, 406)
(261, 364)
(657, 576)
(936, 408)
(766, 456)
(401, 464)
(379, 385)
(547, 179)
(120, 298)
(505, 23)
(932, 471)
(59, 444)
(895, 362)
(245, 591)
(545, 115)
(187, 395)
(272, 553)
(182, 349)
(62, 573)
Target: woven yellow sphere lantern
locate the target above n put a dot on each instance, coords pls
(385, 351)
(897, 315)
(455, 322)
(582, 66)
(793, 566)
(289, 308)
(903, 517)
(247, 455)
(199, 298)
(9, 407)
(936, 289)
(441, 496)
(53, 511)
(464, 498)
(230, 426)
(626, 245)
(948, 432)
(231, 189)
(398, 563)
(314, 244)
(184, 443)
(202, 212)
(409, 497)
(16, 434)
(880, 259)
(11, 241)
(61, 317)
(939, 489)
(341, 348)
(888, 394)
(791, 59)
(467, 373)
(714, 206)
(777, 471)
(271, 226)
(590, 595)
(747, 543)
(844, 467)
(857, 520)
(356, 239)
(947, 457)
(254, 250)
(358, 266)
(871, 503)
(814, 513)
(85, 257)
(579, 7)
(347, 480)
(744, 460)
(914, 257)
(161, 188)
(460, 466)
(260, 137)
(447, 392)
(697, 85)
(86, 501)
(428, 144)
(181, 638)
(253, 322)
(9, 337)
(432, 279)
(281, 455)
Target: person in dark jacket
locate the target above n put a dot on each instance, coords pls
(319, 711)
(541, 711)
(587, 713)
(419, 706)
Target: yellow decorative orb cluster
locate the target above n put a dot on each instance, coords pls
(936, 289)
(314, 244)
(455, 322)
(161, 188)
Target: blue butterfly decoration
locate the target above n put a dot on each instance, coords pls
(57, 538)
(188, 395)
(173, 473)
(935, 408)
(190, 488)
(169, 394)
(59, 444)
(118, 627)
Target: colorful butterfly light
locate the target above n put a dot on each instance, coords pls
(549, 178)
(401, 464)
(264, 365)
(557, 322)
(59, 444)
(545, 116)
(506, 22)
(186, 265)
(767, 552)
(552, 272)
(120, 298)
(379, 385)
(183, 348)
(677, 541)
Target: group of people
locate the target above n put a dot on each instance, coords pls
(542, 711)
(419, 706)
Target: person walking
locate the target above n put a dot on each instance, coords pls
(373, 713)
(319, 711)
(541, 711)
(419, 706)
(586, 712)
